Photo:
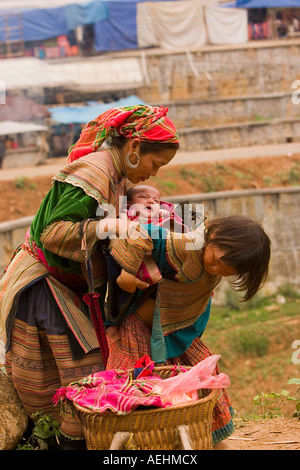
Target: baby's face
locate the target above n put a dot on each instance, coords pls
(146, 201)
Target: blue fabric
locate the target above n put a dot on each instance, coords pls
(181, 340)
(46, 23)
(267, 3)
(119, 31)
(36, 24)
(158, 343)
(85, 13)
(84, 114)
(158, 236)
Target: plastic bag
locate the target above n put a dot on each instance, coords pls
(183, 387)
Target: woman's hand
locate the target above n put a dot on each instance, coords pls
(107, 228)
(129, 283)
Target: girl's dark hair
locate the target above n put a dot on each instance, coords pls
(247, 249)
(145, 147)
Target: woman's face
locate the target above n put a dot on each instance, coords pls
(213, 264)
(149, 165)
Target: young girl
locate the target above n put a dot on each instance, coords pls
(168, 325)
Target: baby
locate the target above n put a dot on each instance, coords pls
(144, 205)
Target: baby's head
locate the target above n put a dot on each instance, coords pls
(145, 199)
(238, 246)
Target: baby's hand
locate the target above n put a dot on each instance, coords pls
(129, 283)
(163, 213)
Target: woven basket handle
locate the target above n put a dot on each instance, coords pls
(119, 440)
(184, 435)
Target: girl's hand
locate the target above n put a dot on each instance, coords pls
(129, 283)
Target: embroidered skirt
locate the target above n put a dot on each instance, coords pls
(40, 359)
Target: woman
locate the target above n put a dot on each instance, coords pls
(45, 323)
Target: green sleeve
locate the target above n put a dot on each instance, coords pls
(63, 202)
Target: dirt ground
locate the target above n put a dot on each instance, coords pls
(22, 195)
(267, 434)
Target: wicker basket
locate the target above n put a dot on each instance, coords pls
(176, 427)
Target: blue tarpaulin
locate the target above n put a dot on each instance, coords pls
(45, 23)
(84, 114)
(119, 30)
(268, 3)
(36, 24)
(85, 13)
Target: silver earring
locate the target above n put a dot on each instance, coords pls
(133, 165)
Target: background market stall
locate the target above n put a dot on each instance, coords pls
(24, 143)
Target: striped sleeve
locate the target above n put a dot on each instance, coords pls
(63, 238)
(131, 251)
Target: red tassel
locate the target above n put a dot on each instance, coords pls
(60, 394)
(92, 301)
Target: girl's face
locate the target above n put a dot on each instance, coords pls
(213, 263)
(149, 165)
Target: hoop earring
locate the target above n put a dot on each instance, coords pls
(133, 165)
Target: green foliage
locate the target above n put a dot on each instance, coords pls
(271, 403)
(268, 181)
(295, 381)
(187, 173)
(212, 183)
(289, 292)
(292, 176)
(250, 343)
(44, 434)
(20, 182)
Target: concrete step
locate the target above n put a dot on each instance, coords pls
(233, 110)
(244, 134)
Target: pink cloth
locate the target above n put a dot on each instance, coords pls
(112, 391)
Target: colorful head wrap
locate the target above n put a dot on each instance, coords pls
(144, 122)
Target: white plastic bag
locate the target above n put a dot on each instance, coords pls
(183, 387)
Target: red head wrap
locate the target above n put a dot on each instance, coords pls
(144, 122)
